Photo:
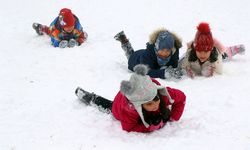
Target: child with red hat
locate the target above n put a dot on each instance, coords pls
(65, 30)
(205, 54)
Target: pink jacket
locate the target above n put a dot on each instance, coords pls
(125, 112)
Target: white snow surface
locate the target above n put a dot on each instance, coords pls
(38, 107)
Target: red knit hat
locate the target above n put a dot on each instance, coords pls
(66, 18)
(203, 39)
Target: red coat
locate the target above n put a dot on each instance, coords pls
(125, 112)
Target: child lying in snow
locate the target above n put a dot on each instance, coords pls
(142, 104)
(65, 30)
(204, 55)
(161, 54)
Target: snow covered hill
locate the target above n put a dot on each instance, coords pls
(38, 108)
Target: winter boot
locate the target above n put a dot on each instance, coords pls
(126, 45)
(233, 50)
(38, 28)
(85, 96)
(121, 37)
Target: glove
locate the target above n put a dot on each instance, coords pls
(176, 73)
(72, 43)
(207, 71)
(63, 44)
(190, 72)
(155, 119)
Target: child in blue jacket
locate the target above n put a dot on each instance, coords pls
(161, 54)
(65, 30)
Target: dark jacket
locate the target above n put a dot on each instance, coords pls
(148, 57)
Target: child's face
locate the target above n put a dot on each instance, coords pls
(203, 55)
(68, 29)
(152, 105)
(164, 53)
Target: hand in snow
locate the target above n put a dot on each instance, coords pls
(176, 73)
(190, 72)
(207, 71)
(63, 44)
(72, 43)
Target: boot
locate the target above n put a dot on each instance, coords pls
(121, 37)
(38, 28)
(233, 50)
(126, 45)
(85, 96)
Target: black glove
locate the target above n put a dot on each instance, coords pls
(155, 119)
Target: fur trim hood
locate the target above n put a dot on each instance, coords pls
(153, 36)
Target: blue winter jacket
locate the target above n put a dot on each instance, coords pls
(148, 57)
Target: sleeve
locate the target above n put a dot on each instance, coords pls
(157, 73)
(186, 65)
(131, 122)
(154, 73)
(139, 127)
(178, 105)
(55, 33)
(79, 34)
(222, 49)
(175, 59)
(55, 38)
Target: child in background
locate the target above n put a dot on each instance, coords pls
(142, 104)
(161, 54)
(65, 30)
(204, 55)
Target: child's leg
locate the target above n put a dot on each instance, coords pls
(41, 29)
(46, 30)
(126, 45)
(103, 103)
(233, 50)
(91, 98)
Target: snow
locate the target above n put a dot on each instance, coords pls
(38, 108)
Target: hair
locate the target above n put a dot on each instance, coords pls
(155, 119)
(193, 57)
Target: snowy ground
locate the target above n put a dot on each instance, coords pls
(38, 108)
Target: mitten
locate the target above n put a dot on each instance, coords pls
(190, 72)
(207, 71)
(63, 44)
(178, 73)
(155, 119)
(173, 72)
(72, 43)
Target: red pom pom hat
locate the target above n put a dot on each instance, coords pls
(203, 39)
(66, 18)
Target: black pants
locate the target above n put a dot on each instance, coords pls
(103, 103)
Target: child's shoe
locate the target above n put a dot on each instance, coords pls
(241, 49)
(121, 37)
(85, 96)
(38, 28)
(237, 49)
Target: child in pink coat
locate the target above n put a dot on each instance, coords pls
(142, 104)
(205, 54)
